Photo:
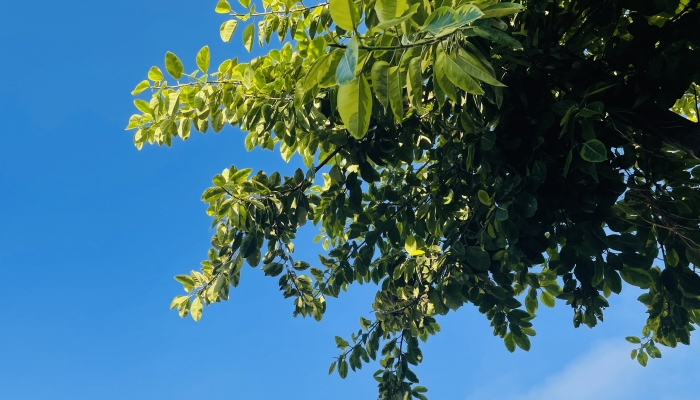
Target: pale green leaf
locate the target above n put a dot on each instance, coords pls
(223, 7)
(173, 65)
(411, 247)
(248, 36)
(388, 10)
(440, 19)
(415, 82)
(143, 85)
(203, 59)
(440, 71)
(344, 14)
(227, 29)
(501, 10)
(380, 82)
(475, 68)
(143, 106)
(405, 17)
(484, 198)
(633, 339)
(318, 71)
(467, 13)
(458, 76)
(155, 74)
(177, 301)
(396, 93)
(183, 130)
(547, 299)
(355, 106)
(196, 309)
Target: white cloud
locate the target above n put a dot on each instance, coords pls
(606, 372)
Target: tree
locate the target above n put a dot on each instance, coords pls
(481, 152)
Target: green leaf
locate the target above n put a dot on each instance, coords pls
(248, 36)
(509, 342)
(343, 369)
(196, 309)
(501, 10)
(403, 18)
(484, 198)
(388, 10)
(672, 258)
(203, 59)
(522, 341)
(173, 65)
(318, 71)
(591, 109)
(567, 164)
(420, 389)
(155, 74)
(177, 301)
(444, 84)
(355, 106)
(380, 82)
(410, 375)
(440, 19)
(488, 140)
(365, 323)
(396, 93)
(642, 358)
(245, 3)
(341, 343)
(344, 14)
(223, 7)
(186, 281)
(142, 105)
(240, 176)
(637, 277)
(273, 269)
(478, 258)
(547, 299)
(415, 82)
(468, 13)
(633, 339)
(594, 151)
(143, 85)
(526, 205)
(411, 247)
(345, 72)
(612, 280)
(249, 244)
(475, 68)
(332, 367)
(227, 29)
(499, 37)
(458, 76)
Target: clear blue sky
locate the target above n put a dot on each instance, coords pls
(92, 232)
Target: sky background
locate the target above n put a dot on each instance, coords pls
(92, 232)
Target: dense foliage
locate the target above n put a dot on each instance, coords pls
(481, 152)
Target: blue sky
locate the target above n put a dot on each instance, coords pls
(92, 232)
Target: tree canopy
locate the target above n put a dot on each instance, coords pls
(499, 154)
